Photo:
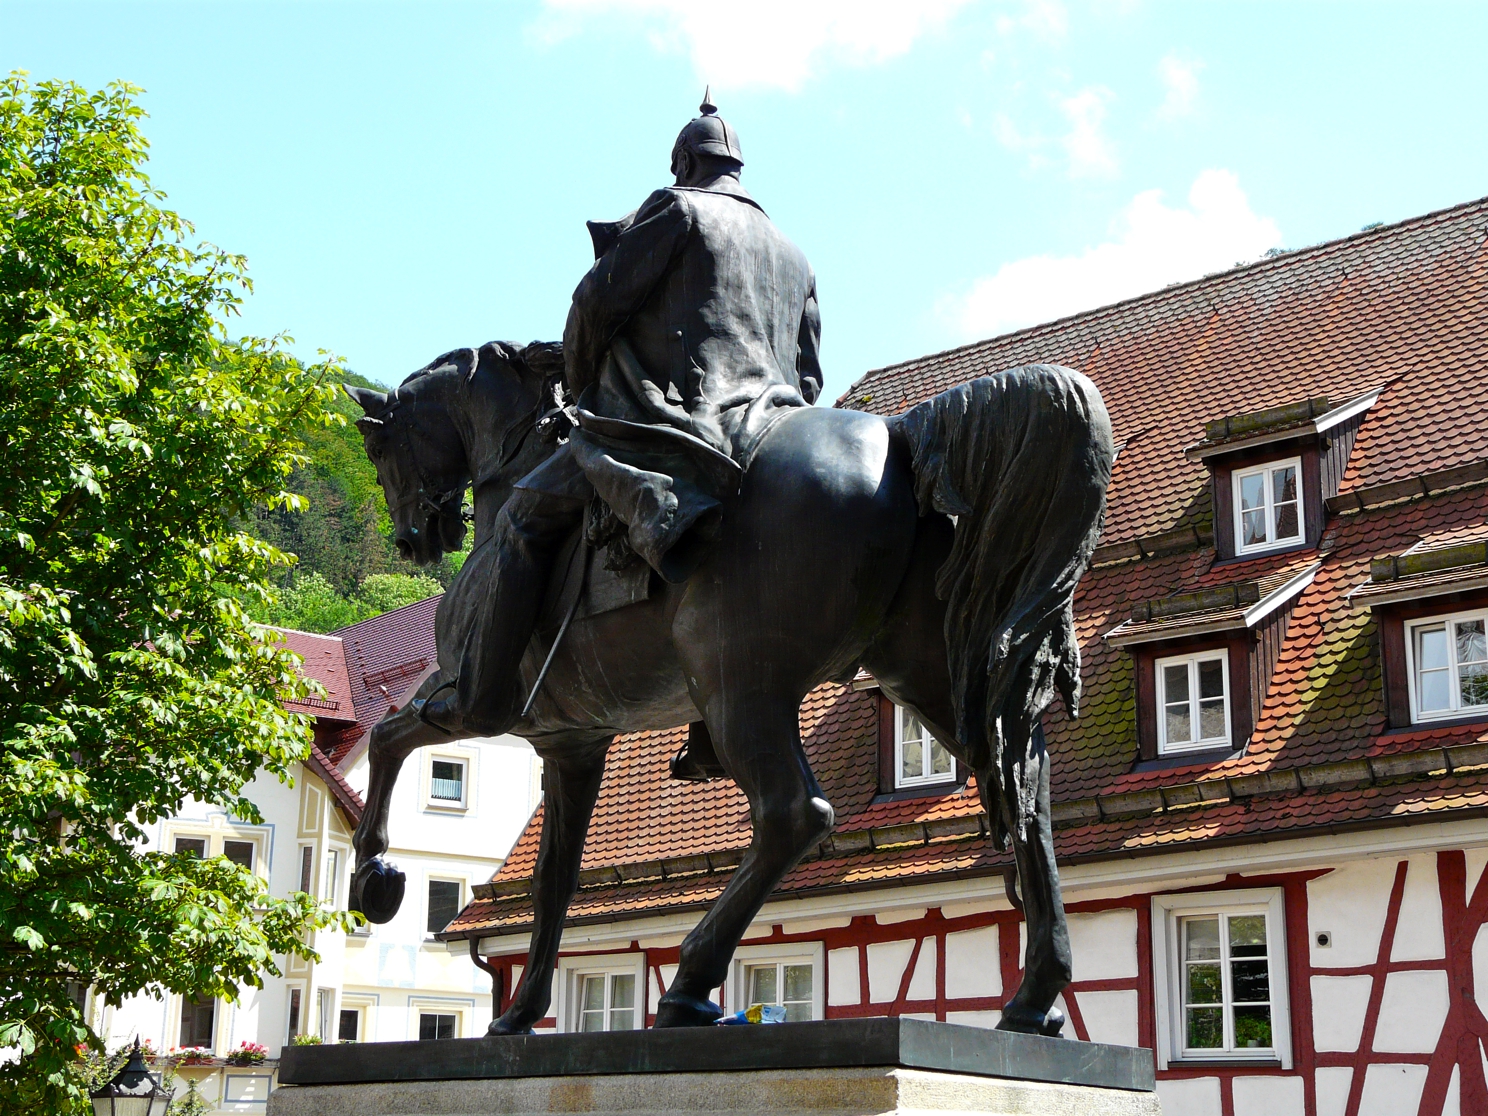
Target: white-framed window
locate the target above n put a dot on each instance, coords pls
(242, 845)
(1220, 977)
(791, 977)
(438, 1018)
(354, 1019)
(446, 898)
(1193, 702)
(603, 993)
(447, 778)
(198, 1022)
(332, 881)
(919, 759)
(1447, 662)
(1268, 505)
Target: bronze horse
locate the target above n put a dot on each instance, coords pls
(939, 550)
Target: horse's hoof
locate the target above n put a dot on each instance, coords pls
(1027, 1022)
(676, 1010)
(502, 1027)
(376, 890)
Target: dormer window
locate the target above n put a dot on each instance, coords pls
(919, 759)
(1268, 506)
(1449, 666)
(1193, 696)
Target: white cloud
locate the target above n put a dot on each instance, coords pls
(1090, 153)
(1046, 19)
(1153, 244)
(1180, 79)
(773, 43)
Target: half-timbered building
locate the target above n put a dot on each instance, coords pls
(1270, 813)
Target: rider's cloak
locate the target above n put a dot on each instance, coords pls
(695, 329)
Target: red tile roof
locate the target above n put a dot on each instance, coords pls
(325, 662)
(1403, 307)
(384, 655)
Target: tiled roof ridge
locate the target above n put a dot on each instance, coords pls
(382, 617)
(1284, 259)
(1224, 790)
(350, 802)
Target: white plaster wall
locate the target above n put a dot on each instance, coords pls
(844, 987)
(1418, 933)
(973, 963)
(1412, 1012)
(886, 962)
(988, 1019)
(1109, 1016)
(1192, 1096)
(1332, 1090)
(1104, 945)
(922, 983)
(1269, 1096)
(1350, 904)
(1338, 1008)
(1392, 1090)
(505, 788)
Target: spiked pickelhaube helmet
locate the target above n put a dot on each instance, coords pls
(708, 134)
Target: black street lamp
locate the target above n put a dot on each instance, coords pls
(134, 1091)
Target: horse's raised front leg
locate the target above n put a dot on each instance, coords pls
(1047, 959)
(376, 885)
(571, 777)
(758, 739)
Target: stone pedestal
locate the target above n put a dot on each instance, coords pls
(835, 1068)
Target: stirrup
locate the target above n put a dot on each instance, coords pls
(419, 705)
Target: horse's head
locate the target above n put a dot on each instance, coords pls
(464, 416)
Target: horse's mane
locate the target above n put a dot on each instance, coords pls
(538, 358)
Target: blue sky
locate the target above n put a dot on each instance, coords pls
(409, 177)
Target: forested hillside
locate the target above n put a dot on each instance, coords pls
(348, 567)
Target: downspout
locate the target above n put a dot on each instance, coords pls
(498, 977)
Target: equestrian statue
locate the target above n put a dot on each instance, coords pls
(668, 532)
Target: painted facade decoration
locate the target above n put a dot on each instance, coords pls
(1272, 815)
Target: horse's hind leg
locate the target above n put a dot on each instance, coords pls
(571, 777)
(1047, 960)
(758, 739)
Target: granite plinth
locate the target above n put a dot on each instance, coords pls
(850, 1066)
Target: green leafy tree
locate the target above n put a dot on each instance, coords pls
(312, 603)
(135, 435)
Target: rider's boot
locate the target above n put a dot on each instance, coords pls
(487, 698)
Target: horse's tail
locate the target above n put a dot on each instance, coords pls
(1022, 460)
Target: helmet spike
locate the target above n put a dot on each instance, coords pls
(707, 108)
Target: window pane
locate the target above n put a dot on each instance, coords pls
(912, 760)
(1253, 528)
(797, 982)
(1434, 691)
(1248, 936)
(1473, 684)
(1201, 939)
(197, 1017)
(913, 728)
(1211, 678)
(622, 1002)
(940, 759)
(1252, 1027)
(1205, 1028)
(1431, 648)
(1178, 728)
(1175, 683)
(763, 986)
(444, 904)
(1250, 982)
(196, 846)
(1286, 522)
(1284, 484)
(1253, 491)
(592, 995)
(350, 1022)
(1211, 720)
(1471, 647)
(447, 780)
(1204, 986)
(239, 852)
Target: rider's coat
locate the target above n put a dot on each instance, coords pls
(696, 327)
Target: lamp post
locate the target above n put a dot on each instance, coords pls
(134, 1091)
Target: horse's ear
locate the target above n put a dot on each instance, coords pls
(372, 402)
